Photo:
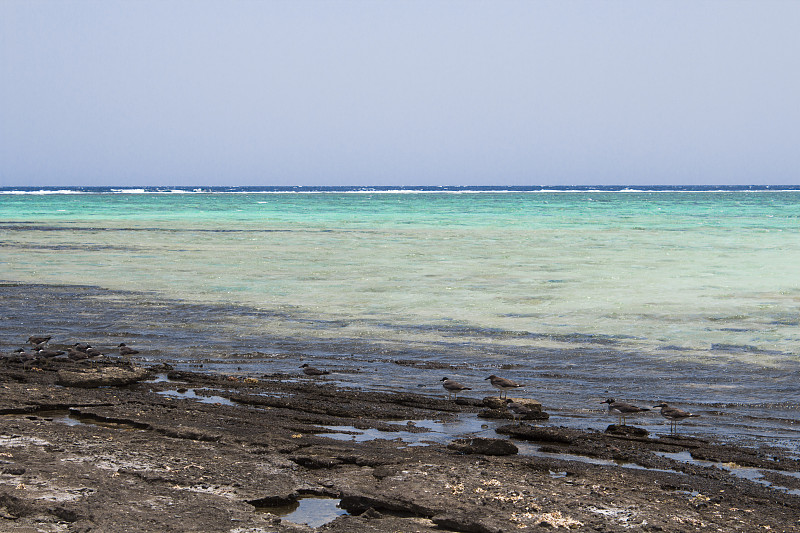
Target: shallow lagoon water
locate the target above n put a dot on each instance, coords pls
(313, 511)
(752, 474)
(690, 297)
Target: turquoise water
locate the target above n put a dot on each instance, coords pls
(671, 278)
(685, 269)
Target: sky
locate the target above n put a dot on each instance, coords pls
(411, 92)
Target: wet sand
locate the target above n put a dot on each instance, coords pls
(82, 450)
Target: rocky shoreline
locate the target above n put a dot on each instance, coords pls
(101, 445)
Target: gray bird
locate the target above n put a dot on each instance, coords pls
(34, 339)
(674, 415)
(453, 387)
(76, 355)
(48, 353)
(503, 384)
(126, 350)
(21, 356)
(623, 409)
(311, 371)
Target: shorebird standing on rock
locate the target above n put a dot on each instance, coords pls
(91, 352)
(503, 384)
(76, 355)
(623, 409)
(453, 387)
(311, 371)
(21, 356)
(674, 415)
(36, 340)
(43, 352)
(125, 350)
(81, 346)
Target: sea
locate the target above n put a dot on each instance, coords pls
(689, 295)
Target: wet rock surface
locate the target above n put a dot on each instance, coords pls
(142, 456)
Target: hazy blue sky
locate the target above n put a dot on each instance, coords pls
(399, 92)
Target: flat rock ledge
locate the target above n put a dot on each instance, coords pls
(496, 409)
(92, 457)
(484, 446)
(103, 377)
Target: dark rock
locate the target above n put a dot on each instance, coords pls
(463, 523)
(67, 515)
(315, 462)
(538, 434)
(357, 504)
(630, 431)
(189, 434)
(14, 506)
(383, 471)
(106, 377)
(501, 414)
(484, 446)
(274, 501)
(498, 410)
(371, 513)
(259, 450)
(468, 402)
(493, 402)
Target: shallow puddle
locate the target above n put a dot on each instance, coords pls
(314, 511)
(465, 426)
(535, 451)
(190, 394)
(753, 474)
(159, 378)
(73, 419)
(437, 431)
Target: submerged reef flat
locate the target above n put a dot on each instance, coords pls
(170, 450)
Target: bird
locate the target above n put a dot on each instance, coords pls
(21, 356)
(48, 353)
(76, 355)
(126, 350)
(453, 387)
(34, 339)
(91, 352)
(674, 415)
(311, 371)
(623, 409)
(518, 409)
(81, 346)
(503, 384)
